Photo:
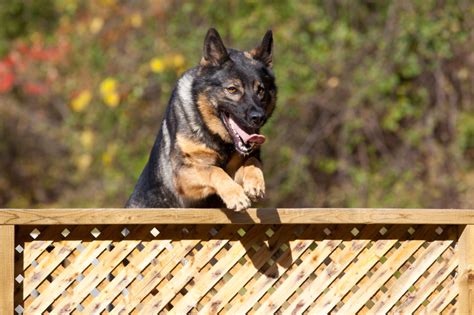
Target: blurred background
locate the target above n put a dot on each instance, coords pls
(375, 109)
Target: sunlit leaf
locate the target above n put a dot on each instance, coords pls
(136, 20)
(157, 65)
(111, 99)
(107, 86)
(87, 138)
(96, 25)
(81, 101)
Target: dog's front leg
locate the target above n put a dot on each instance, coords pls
(198, 182)
(250, 177)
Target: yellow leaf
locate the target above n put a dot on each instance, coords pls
(157, 65)
(463, 73)
(107, 159)
(80, 102)
(84, 161)
(109, 154)
(108, 86)
(87, 139)
(333, 82)
(136, 20)
(177, 60)
(96, 25)
(111, 99)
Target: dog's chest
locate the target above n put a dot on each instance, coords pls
(235, 161)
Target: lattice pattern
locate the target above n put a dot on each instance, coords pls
(263, 269)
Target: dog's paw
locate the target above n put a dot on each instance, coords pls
(254, 184)
(235, 198)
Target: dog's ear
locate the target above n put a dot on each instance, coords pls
(264, 51)
(214, 51)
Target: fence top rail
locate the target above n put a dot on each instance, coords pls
(250, 216)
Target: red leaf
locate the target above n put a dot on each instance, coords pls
(34, 88)
(7, 78)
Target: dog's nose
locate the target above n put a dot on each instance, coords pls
(256, 116)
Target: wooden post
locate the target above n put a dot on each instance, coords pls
(7, 261)
(466, 270)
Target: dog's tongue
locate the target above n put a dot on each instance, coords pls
(246, 138)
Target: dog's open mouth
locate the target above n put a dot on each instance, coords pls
(244, 142)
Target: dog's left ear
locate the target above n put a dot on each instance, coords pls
(264, 51)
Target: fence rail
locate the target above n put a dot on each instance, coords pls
(251, 216)
(207, 261)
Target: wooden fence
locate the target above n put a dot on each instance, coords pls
(207, 261)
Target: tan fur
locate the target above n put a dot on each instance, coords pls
(239, 86)
(235, 82)
(211, 118)
(254, 52)
(195, 152)
(250, 176)
(197, 182)
(199, 178)
(250, 56)
(204, 62)
(191, 183)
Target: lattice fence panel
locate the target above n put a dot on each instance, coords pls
(235, 269)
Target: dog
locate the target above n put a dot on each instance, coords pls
(207, 152)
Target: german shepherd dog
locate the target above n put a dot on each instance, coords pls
(207, 152)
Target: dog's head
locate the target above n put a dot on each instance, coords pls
(236, 90)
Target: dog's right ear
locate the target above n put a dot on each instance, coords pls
(214, 51)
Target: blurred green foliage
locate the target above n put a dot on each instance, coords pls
(375, 97)
(20, 18)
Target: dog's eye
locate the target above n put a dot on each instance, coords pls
(260, 91)
(232, 89)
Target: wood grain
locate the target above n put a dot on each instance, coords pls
(257, 289)
(234, 269)
(429, 284)
(57, 287)
(250, 216)
(205, 281)
(466, 270)
(245, 273)
(7, 274)
(409, 277)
